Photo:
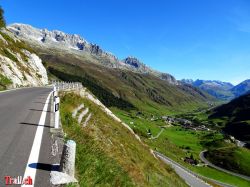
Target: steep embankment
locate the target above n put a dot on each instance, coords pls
(108, 154)
(19, 66)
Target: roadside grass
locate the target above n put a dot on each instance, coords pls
(108, 154)
(4, 82)
(93, 166)
(71, 185)
(177, 143)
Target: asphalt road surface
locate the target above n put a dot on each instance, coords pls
(20, 118)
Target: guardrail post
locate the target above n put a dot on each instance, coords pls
(54, 96)
(56, 110)
(67, 164)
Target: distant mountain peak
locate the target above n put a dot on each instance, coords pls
(219, 89)
(241, 88)
(133, 61)
(58, 39)
(187, 81)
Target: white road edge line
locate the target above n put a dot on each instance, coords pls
(35, 150)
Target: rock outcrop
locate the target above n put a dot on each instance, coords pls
(58, 39)
(136, 65)
(19, 66)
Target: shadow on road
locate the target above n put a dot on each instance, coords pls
(46, 167)
(39, 110)
(33, 124)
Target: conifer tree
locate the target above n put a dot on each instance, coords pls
(2, 20)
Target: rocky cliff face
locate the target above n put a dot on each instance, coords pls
(75, 44)
(58, 39)
(19, 65)
(134, 64)
(169, 78)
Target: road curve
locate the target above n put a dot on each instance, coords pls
(202, 157)
(189, 178)
(20, 112)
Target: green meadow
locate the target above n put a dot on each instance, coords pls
(178, 143)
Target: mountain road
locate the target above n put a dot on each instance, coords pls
(24, 135)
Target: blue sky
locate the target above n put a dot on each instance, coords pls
(205, 39)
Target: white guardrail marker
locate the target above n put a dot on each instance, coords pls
(57, 101)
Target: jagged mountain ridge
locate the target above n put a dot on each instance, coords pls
(220, 90)
(57, 39)
(79, 46)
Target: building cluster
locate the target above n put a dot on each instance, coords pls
(185, 123)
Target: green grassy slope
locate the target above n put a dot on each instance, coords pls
(235, 117)
(4, 82)
(178, 143)
(232, 158)
(142, 91)
(108, 154)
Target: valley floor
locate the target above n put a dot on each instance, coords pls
(180, 144)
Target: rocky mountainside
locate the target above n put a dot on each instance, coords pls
(75, 44)
(220, 90)
(58, 39)
(19, 66)
(125, 84)
(138, 66)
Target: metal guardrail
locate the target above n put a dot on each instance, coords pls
(61, 85)
(67, 164)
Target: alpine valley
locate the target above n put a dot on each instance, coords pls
(125, 84)
(133, 113)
